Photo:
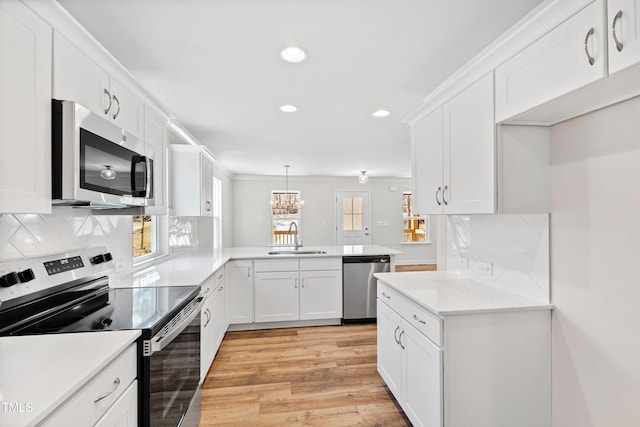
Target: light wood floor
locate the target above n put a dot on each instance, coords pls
(317, 376)
(417, 267)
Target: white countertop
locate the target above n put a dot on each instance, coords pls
(448, 293)
(192, 269)
(39, 372)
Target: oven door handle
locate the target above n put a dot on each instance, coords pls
(159, 342)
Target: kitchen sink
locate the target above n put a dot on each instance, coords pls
(293, 252)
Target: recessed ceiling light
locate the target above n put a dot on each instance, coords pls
(381, 113)
(293, 54)
(288, 108)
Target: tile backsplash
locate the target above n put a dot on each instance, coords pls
(32, 235)
(517, 246)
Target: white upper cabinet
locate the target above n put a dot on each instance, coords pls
(155, 136)
(469, 150)
(25, 110)
(191, 180)
(624, 33)
(565, 59)
(76, 77)
(427, 163)
(454, 154)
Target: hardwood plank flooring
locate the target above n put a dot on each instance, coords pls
(416, 267)
(316, 376)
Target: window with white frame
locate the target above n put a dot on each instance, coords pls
(285, 209)
(416, 226)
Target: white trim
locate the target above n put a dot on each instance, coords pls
(534, 25)
(349, 179)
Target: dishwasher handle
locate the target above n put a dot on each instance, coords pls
(382, 259)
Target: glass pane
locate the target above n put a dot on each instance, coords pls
(347, 222)
(143, 235)
(357, 221)
(347, 205)
(357, 205)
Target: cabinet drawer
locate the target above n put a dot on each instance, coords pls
(265, 265)
(82, 408)
(208, 286)
(218, 277)
(420, 318)
(308, 264)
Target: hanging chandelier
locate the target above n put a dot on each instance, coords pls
(287, 203)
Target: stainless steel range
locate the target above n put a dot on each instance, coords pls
(70, 292)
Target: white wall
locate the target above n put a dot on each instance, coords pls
(595, 230)
(517, 246)
(252, 216)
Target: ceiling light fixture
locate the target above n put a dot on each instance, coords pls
(287, 203)
(293, 54)
(363, 178)
(381, 113)
(108, 173)
(288, 108)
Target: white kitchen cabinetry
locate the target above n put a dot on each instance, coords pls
(239, 282)
(276, 296)
(454, 154)
(207, 351)
(155, 134)
(99, 399)
(298, 289)
(624, 33)
(25, 110)
(213, 326)
(567, 58)
(76, 77)
(471, 368)
(124, 412)
(191, 180)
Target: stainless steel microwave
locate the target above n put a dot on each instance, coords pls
(95, 163)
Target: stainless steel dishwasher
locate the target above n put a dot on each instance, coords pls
(359, 286)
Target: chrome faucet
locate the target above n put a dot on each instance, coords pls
(295, 236)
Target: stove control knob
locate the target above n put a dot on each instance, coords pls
(98, 259)
(9, 279)
(26, 275)
(107, 256)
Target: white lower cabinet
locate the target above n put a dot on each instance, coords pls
(411, 366)
(212, 325)
(276, 296)
(124, 412)
(292, 289)
(481, 369)
(105, 398)
(239, 280)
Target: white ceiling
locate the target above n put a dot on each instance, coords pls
(215, 65)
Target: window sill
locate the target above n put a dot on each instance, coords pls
(416, 243)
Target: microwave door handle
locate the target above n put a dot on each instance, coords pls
(136, 160)
(149, 175)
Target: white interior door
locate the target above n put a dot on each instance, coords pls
(352, 211)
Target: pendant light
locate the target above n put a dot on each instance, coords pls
(363, 178)
(289, 203)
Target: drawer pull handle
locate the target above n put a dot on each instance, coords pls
(590, 58)
(116, 383)
(386, 296)
(108, 107)
(400, 339)
(446, 187)
(619, 44)
(417, 319)
(437, 194)
(395, 334)
(115, 115)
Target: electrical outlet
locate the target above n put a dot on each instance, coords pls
(485, 268)
(463, 262)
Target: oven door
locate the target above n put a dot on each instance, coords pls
(170, 374)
